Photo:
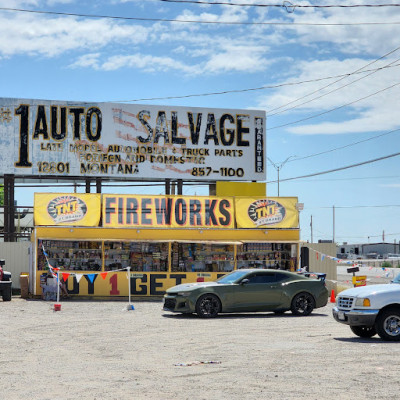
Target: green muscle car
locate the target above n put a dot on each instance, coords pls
(249, 290)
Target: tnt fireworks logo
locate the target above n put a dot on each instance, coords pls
(66, 209)
(266, 212)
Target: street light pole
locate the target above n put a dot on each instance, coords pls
(278, 167)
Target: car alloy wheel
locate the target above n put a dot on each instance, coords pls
(208, 306)
(302, 304)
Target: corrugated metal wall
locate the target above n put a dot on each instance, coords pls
(326, 265)
(16, 256)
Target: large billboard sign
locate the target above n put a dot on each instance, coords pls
(130, 141)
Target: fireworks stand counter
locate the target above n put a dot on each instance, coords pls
(93, 240)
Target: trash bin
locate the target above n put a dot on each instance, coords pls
(24, 282)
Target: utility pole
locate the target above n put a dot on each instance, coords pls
(333, 216)
(311, 230)
(278, 167)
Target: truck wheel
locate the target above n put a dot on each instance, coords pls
(7, 294)
(388, 324)
(364, 331)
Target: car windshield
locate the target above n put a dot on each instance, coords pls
(397, 279)
(232, 277)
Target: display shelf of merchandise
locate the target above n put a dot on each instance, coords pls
(199, 257)
(71, 255)
(139, 256)
(154, 256)
(264, 255)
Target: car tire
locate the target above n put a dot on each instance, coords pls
(208, 306)
(302, 304)
(364, 331)
(388, 324)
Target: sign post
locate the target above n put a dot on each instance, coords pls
(130, 306)
(353, 270)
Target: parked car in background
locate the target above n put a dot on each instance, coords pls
(371, 309)
(393, 256)
(249, 290)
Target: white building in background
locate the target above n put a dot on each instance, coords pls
(356, 251)
(23, 224)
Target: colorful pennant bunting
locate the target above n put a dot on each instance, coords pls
(103, 275)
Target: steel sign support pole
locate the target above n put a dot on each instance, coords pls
(129, 285)
(9, 208)
(58, 286)
(333, 216)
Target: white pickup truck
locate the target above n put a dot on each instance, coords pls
(371, 310)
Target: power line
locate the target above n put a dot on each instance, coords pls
(353, 179)
(338, 169)
(345, 146)
(369, 236)
(359, 70)
(279, 85)
(105, 184)
(285, 4)
(334, 109)
(116, 17)
(365, 206)
(325, 94)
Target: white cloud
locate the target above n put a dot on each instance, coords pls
(237, 58)
(53, 36)
(87, 60)
(18, 3)
(229, 14)
(343, 109)
(54, 2)
(49, 36)
(351, 39)
(146, 62)
(226, 58)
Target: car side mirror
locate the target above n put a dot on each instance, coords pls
(244, 281)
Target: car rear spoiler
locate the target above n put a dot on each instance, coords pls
(318, 275)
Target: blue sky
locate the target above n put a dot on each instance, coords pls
(328, 79)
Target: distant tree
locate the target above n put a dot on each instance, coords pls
(1, 195)
(387, 264)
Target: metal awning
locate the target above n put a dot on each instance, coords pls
(227, 242)
(271, 241)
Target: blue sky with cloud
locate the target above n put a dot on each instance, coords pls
(328, 79)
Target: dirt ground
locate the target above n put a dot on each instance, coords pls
(100, 350)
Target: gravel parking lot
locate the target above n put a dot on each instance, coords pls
(99, 350)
